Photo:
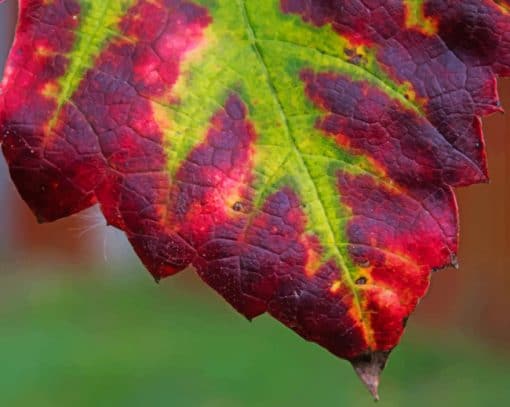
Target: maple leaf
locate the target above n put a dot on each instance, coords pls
(300, 154)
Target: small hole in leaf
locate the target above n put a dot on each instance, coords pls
(349, 52)
(361, 281)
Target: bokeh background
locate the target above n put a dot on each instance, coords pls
(83, 324)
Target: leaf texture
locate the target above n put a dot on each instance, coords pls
(300, 154)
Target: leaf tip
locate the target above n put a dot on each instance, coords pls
(369, 368)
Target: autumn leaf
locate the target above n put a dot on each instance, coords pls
(299, 154)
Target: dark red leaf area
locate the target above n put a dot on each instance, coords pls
(106, 146)
(45, 187)
(256, 260)
(364, 119)
(453, 70)
(475, 30)
(165, 33)
(214, 171)
(260, 266)
(402, 230)
(398, 238)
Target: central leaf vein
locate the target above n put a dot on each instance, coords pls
(299, 157)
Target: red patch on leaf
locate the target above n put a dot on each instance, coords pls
(24, 110)
(365, 120)
(212, 186)
(398, 237)
(256, 259)
(453, 70)
(163, 36)
(404, 228)
(106, 145)
(263, 268)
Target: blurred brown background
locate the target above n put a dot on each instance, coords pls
(476, 298)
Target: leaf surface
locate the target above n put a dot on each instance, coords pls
(300, 154)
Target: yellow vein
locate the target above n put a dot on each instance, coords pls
(253, 39)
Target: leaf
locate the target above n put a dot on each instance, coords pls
(300, 154)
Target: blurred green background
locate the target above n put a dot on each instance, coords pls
(88, 340)
(83, 324)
